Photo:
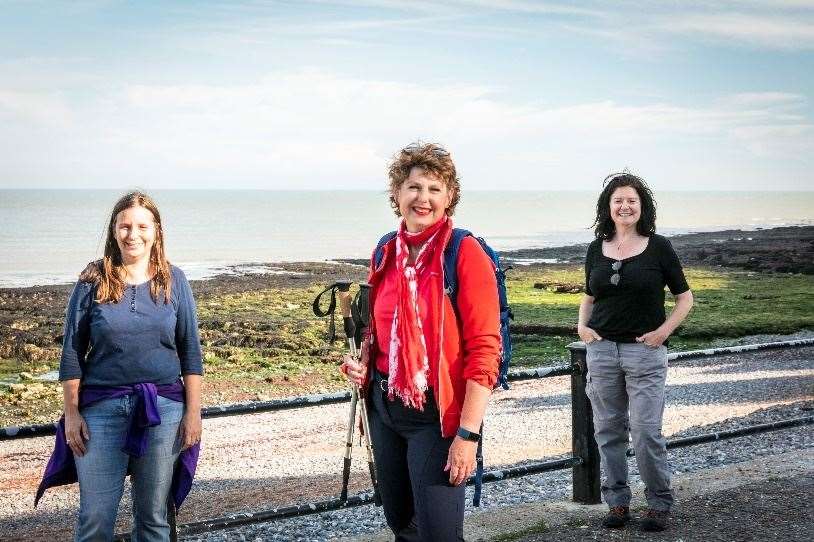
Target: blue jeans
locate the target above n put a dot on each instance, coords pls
(102, 470)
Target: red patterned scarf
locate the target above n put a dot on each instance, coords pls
(408, 361)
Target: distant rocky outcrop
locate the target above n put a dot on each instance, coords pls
(778, 250)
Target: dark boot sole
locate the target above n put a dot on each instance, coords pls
(620, 525)
(651, 528)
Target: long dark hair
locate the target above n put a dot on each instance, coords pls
(604, 228)
(108, 273)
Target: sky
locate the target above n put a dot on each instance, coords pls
(691, 95)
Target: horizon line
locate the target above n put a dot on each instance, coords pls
(487, 190)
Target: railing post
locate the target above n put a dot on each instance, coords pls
(586, 474)
(172, 518)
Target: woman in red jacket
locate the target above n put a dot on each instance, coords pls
(433, 367)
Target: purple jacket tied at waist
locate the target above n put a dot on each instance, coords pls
(61, 468)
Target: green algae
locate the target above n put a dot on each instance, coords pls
(265, 342)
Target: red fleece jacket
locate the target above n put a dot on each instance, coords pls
(471, 344)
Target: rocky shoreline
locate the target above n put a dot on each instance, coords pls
(780, 250)
(249, 317)
(31, 318)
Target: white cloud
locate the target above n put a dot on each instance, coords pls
(49, 77)
(770, 140)
(648, 28)
(767, 30)
(782, 99)
(41, 108)
(770, 4)
(314, 129)
(541, 8)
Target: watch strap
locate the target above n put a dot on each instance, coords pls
(468, 435)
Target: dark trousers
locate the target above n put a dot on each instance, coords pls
(419, 502)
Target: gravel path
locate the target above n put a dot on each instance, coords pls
(773, 510)
(364, 523)
(527, 423)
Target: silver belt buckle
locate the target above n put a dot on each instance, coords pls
(383, 385)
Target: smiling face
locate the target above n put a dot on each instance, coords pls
(135, 232)
(422, 200)
(625, 207)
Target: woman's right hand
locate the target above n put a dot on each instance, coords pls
(76, 432)
(354, 369)
(587, 334)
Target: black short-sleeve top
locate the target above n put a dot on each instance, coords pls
(635, 305)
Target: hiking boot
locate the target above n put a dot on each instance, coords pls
(617, 517)
(654, 520)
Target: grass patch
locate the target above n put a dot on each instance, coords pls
(737, 303)
(727, 303)
(267, 343)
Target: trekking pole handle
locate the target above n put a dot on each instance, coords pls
(347, 319)
(341, 286)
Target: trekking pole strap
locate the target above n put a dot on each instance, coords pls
(478, 470)
(341, 286)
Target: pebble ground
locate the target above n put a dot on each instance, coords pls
(267, 460)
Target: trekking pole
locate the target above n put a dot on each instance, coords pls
(340, 285)
(349, 321)
(362, 316)
(351, 313)
(350, 332)
(343, 287)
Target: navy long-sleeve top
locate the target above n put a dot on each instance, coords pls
(132, 341)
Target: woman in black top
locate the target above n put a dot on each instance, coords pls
(625, 328)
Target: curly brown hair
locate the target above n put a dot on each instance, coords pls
(430, 157)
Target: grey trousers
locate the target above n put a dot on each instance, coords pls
(626, 389)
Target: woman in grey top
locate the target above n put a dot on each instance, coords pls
(131, 334)
(625, 328)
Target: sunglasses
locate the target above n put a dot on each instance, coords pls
(437, 150)
(617, 266)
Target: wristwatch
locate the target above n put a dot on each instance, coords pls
(468, 435)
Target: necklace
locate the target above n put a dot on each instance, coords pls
(133, 298)
(619, 247)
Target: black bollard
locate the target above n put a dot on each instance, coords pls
(586, 473)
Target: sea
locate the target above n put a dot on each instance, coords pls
(48, 236)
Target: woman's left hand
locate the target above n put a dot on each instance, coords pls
(190, 429)
(461, 460)
(653, 339)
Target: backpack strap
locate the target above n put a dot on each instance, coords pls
(451, 289)
(378, 254)
(451, 264)
(450, 258)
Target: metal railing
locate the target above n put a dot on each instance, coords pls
(287, 403)
(584, 460)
